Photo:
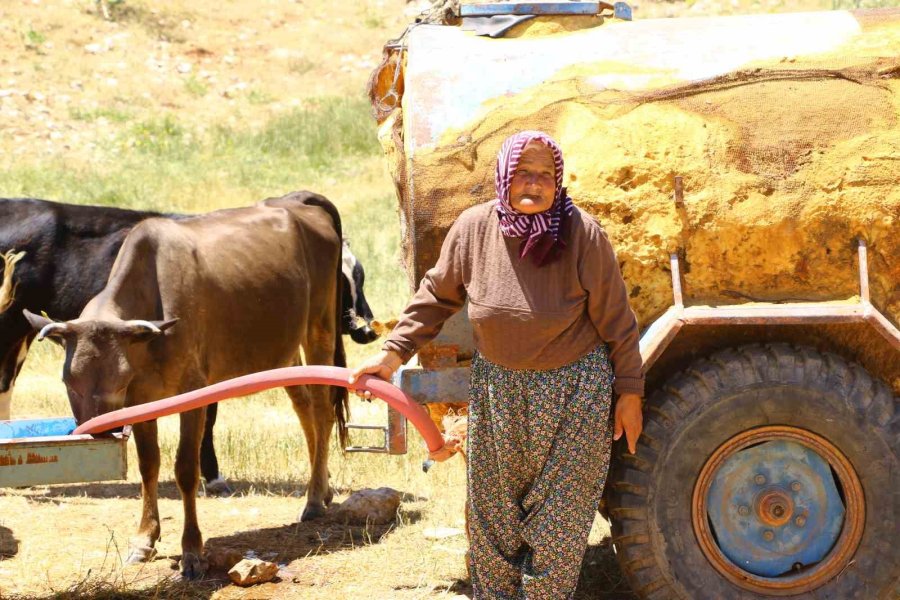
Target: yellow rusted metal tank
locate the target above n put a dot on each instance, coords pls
(746, 169)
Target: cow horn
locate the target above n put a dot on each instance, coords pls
(146, 324)
(49, 330)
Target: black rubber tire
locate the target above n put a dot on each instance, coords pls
(717, 398)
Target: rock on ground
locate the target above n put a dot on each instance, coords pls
(370, 506)
(251, 571)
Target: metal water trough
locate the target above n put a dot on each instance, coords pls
(43, 451)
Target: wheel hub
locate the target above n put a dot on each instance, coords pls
(774, 506)
(769, 513)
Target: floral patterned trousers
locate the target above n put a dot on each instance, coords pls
(538, 453)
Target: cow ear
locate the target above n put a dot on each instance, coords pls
(46, 328)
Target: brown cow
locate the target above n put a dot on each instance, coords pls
(248, 288)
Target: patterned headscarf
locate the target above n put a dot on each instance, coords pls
(541, 231)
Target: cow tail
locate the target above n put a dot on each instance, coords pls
(341, 397)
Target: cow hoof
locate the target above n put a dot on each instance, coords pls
(193, 566)
(140, 554)
(312, 512)
(218, 487)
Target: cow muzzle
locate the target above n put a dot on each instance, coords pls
(363, 335)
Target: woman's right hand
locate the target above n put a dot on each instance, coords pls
(382, 365)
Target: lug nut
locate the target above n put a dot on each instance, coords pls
(768, 535)
(760, 479)
(743, 510)
(800, 521)
(796, 486)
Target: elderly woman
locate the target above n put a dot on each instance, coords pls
(555, 338)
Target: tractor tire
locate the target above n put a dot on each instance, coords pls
(778, 393)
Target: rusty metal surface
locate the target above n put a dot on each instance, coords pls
(396, 432)
(62, 459)
(774, 314)
(659, 335)
(812, 576)
(775, 508)
(862, 253)
(883, 326)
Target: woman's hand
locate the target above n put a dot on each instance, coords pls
(382, 365)
(451, 446)
(628, 419)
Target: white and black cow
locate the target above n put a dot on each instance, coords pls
(69, 252)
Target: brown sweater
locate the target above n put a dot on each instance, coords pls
(523, 316)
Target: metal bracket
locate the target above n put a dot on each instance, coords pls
(660, 334)
(394, 435)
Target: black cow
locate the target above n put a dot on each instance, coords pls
(69, 252)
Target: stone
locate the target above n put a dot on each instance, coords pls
(370, 506)
(251, 571)
(223, 559)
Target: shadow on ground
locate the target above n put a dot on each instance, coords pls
(600, 579)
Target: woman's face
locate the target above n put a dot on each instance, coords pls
(533, 186)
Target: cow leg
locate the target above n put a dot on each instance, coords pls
(317, 418)
(209, 464)
(187, 476)
(142, 545)
(12, 360)
(316, 411)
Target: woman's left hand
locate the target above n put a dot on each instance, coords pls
(628, 419)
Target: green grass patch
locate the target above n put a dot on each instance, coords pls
(163, 163)
(115, 115)
(373, 229)
(301, 65)
(321, 133)
(161, 24)
(164, 137)
(195, 87)
(257, 97)
(33, 39)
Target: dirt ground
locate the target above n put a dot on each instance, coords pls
(72, 538)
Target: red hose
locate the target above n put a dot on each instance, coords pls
(257, 382)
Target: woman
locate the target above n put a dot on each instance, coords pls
(554, 338)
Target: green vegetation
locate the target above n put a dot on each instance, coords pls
(113, 114)
(33, 39)
(163, 163)
(300, 66)
(195, 87)
(159, 23)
